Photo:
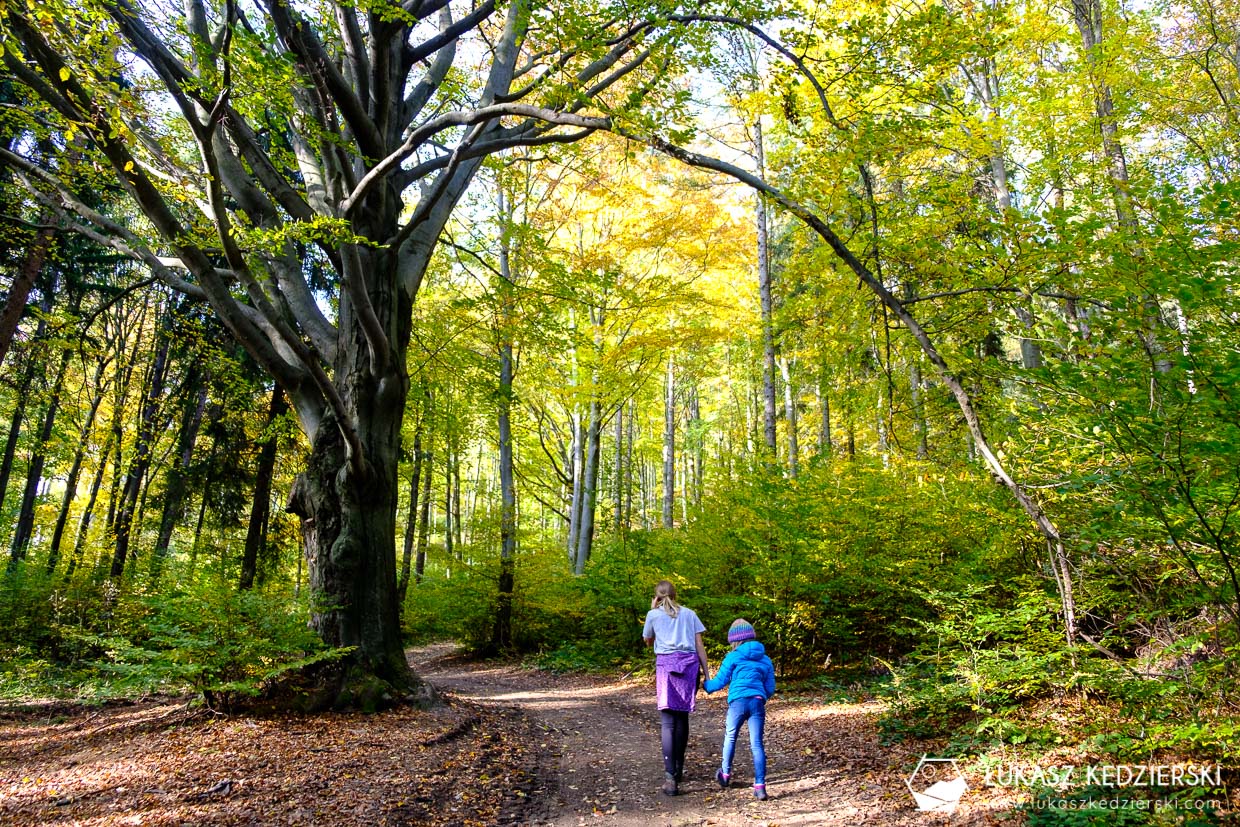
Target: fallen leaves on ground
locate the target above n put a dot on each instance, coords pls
(158, 762)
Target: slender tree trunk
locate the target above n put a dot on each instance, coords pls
(75, 469)
(919, 409)
(424, 521)
(15, 427)
(589, 488)
(448, 535)
(825, 447)
(790, 414)
(260, 508)
(766, 300)
(618, 474)
(141, 461)
(118, 476)
(207, 484)
(631, 437)
(501, 634)
(501, 637)
(697, 473)
(34, 472)
(457, 523)
(177, 486)
(669, 444)
(23, 282)
(592, 452)
(83, 529)
(411, 524)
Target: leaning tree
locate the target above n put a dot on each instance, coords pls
(293, 165)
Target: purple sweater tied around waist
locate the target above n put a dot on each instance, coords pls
(676, 677)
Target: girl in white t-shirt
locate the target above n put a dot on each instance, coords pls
(675, 632)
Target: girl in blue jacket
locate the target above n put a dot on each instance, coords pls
(752, 678)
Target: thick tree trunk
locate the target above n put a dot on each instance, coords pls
(177, 485)
(669, 444)
(260, 509)
(348, 527)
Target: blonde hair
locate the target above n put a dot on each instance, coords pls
(665, 598)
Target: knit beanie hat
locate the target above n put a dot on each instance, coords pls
(741, 631)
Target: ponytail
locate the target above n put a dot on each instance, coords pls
(665, 598)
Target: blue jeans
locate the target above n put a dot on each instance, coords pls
(741, 710)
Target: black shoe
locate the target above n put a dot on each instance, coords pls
(669, 784)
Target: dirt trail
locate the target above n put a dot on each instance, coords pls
(825, 763)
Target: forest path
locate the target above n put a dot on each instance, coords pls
(825, 763)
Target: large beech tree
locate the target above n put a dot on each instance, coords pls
(293, 166)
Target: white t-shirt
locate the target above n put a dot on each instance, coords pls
(673, 634)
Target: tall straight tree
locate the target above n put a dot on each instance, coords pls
(260, 510)
(355, 131)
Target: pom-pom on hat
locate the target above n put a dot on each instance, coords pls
(741, 631)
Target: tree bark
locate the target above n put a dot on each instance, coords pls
(618, 474)
(15, 427)
(766, 300)
(260, 508)
(790, 414)
(34, 472)
(501, 638)
(501, 635)
(411, 524)
(23, 282)
(631, 437)
(75, 469)
(825, 448)
(177, 485)
(669, 444)
(141, 461)
(589, 488)
(424, 521)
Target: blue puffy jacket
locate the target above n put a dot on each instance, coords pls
(748, 670)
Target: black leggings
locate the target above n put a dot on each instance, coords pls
(675, 740)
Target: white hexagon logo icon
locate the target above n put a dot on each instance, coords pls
(937, 785)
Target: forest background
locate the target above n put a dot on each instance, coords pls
(950, 412)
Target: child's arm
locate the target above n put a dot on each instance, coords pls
(701, 653)
(722, 676)
(768, 678)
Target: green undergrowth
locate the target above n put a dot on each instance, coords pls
(91, 642)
